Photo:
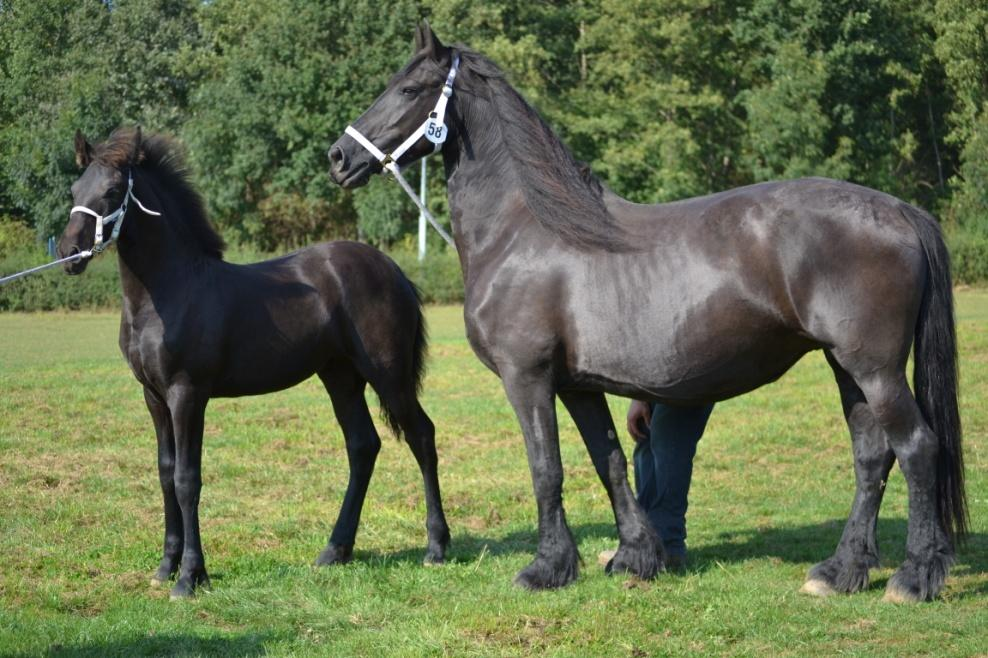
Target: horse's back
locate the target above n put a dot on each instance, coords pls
(728, 291)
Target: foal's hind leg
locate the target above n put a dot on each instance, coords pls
(640, 550)
(174, 540)
(847, 570)
(420, 434)
(346, 389)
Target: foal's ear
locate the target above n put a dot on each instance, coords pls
(426, 39)
(83, 151)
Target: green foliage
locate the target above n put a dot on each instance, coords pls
(15, 237)
(383, 212)
(97, 288)
(664, 98)
(969, 255)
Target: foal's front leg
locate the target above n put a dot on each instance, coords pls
(174, 539)
(557, 562)
(640, 551)
(188, 409)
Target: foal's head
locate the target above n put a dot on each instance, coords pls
(155, 166)
(397, 113)
(101, 188)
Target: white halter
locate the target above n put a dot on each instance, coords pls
(117, 216)
(433, 129)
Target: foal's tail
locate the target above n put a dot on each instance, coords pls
(407, 390)
(935, 373)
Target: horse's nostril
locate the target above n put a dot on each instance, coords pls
(337, 157)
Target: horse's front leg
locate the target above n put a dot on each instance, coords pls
(532, 396)
(640, 551)
(188, 409)
(174, 539)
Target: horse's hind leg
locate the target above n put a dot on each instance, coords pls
(640, 551)
(174, 540)
(847, 570)
(929, 552)
(346, 389)
(420, 434)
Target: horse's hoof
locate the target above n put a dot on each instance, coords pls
(543, 574)
(896, 595)
(817, 587)
(642, 561)
(157, 582)
(335, 555)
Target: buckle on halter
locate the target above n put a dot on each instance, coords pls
(447, 91)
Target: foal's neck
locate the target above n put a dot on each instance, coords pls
(154, 259)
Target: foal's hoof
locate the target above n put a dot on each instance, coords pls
(163, 575)
(335, 555)
(433, 559)
(543, 573)
(188, 584)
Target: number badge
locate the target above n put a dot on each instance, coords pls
(435, 132)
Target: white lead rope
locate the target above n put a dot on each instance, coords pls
(116, 216)
(433, 129)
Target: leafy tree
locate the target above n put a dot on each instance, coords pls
(280, 80)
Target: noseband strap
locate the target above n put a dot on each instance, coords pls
(117, 217)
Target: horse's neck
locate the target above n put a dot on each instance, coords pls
(486, 201)
(152, 255)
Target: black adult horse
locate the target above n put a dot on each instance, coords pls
(573, 291)
(195, 327)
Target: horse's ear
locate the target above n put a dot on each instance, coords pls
(136, 152)
(426, 40)
(83, 151)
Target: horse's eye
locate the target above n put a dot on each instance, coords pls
(410, 92)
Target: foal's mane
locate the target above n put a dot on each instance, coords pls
(562, 193)
(162, 156)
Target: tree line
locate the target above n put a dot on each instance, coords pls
(664, 98)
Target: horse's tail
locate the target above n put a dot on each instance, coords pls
(935, 373)
(407, 391)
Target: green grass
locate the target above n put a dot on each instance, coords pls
(80, 522)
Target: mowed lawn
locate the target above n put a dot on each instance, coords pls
(81, 522)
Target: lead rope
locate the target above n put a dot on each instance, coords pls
(433, 129)
(99, 246)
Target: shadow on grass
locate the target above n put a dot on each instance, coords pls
(805, 544)
(166, 644)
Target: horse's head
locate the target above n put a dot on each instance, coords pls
(101, 189)
(397, 114)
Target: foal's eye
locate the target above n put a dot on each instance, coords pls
(410, 92)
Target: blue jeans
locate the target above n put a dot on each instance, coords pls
(664, 467)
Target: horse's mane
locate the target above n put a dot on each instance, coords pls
(163, 157)
(562, 193)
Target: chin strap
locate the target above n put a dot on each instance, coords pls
(433, 129)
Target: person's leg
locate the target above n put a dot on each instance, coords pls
(674, 433)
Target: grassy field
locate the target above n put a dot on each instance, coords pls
(80, 523)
